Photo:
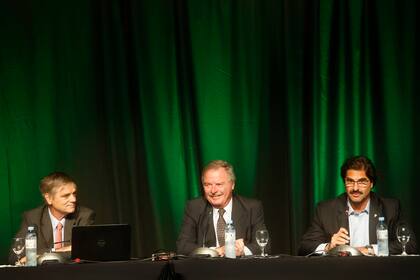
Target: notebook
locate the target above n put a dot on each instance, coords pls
(109, 242)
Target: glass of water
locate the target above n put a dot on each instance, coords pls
(262, 239)
(403, 235)
(18, 247)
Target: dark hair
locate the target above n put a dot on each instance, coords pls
(359, 163)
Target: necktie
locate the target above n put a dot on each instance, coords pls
(221, 224)
(58, 236)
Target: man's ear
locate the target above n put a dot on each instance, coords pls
(48, 198)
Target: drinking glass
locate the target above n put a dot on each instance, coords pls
(262, 239)
(403, 235)
(18, 247)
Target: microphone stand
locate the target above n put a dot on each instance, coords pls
(205, 251)
(209, 218)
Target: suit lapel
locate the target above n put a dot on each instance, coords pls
(207, 224)
(375, 212)
(342, 213)
(68, 230)
(46, 228)
(238, 216)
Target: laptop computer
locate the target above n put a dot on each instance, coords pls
(109, 242)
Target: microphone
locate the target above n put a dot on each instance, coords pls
(54, 256)
(344, 251)
(204, 251)
(347, 214)
(210, 218)
(64, 241)
(59, 242)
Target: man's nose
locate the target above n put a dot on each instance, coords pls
(213, 189)
(72, 198)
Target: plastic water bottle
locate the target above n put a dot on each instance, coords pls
(30, 246)
(382, 236)
(230, 238)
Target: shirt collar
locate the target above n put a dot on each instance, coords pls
(228, 207)
(54, 220)
(353, 212)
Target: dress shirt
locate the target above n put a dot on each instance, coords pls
(359, 226)
(54, 223)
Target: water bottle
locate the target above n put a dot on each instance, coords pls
(230, 238)
(382, 236)
(30, 246)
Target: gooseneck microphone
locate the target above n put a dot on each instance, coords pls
(347, 215)
(64, 241)
(210, 218)
(205, 251)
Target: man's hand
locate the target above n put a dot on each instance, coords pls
(22, 261)
(64, 249)
(221, 251)
(239, 247)
(339, 238)
(366, 250)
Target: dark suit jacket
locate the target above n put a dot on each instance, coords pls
(332, 214)
(198, 228)
(41, 219)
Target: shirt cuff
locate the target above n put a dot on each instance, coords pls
(321, 249)
(375, 249)
(247, 252)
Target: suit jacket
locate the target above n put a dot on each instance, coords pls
(332, 214)
(198, 228)
(41, 219)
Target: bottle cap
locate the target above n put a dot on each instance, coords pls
(381, 219)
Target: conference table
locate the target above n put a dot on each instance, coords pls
(274, 267)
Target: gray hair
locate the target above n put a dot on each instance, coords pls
(216, 164)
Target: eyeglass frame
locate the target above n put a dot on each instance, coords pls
(361, 183)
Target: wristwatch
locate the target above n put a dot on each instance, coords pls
(370, 250)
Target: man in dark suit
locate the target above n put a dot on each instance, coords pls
(55, 219)
(205, 217)
(351, 218)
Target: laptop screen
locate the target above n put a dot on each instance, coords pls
(109, 242)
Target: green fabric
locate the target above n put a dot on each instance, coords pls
(132, 98)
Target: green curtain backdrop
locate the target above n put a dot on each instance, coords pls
(132, 98)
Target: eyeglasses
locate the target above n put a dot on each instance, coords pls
(361, 183)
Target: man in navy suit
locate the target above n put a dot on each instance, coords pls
(351, 218)
(218, 205)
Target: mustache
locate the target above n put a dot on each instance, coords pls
(357, 192)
